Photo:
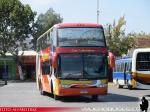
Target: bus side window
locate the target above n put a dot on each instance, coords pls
(50, 67)
(45, 68)
(51, 47)
(130, 67)
(48, 39)
(53, 40)
(122, 67)
(127, 67)
(117, 68)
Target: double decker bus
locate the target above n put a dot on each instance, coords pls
(72, 60)
(133, 72)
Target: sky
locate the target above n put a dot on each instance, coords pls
(136, 12)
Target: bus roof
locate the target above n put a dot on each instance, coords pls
(63, 25)
(124, 60)
(142, 50)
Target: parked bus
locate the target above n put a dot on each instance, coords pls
(72, 60)
(133, 72)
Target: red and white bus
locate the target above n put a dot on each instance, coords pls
(72, 60)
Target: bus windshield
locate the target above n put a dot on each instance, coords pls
(82, 66)
(74, 37)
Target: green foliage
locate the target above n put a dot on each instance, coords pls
(16, 24)
(117, 41)
(45, 22)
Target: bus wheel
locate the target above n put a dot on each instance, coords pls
(52, 91)
(95, 97)
(118, 85)
(41, 90)
(56, 97)
(130, 87)
(5, 82)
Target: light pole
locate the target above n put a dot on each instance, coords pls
(97, 11)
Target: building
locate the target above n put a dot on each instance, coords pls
(22, 69)
(139, 43)
(10, 65)
(142, 42)
(26, 65)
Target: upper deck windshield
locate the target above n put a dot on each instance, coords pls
(80, 37)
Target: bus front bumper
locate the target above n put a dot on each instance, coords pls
(82, 91)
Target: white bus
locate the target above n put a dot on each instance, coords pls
(133, 72)
(141, 67)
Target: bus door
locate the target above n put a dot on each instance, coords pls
(125, 74)
(128, 74)
(45, 75)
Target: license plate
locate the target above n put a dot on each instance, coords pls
(83, 91)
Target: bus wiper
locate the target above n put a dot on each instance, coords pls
(68, 75)
(74, 75)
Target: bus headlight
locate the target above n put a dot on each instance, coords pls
(102, 85)
(65, 86)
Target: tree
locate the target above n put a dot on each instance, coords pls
(16, 24)
(117, 41)
(45, 22)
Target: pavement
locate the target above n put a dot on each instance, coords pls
(25, 94)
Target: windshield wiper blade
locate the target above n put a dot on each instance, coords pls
(73, 75)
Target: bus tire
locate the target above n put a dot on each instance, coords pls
(5, 82)
(41, 89)
(52, 91)
(54, 95)
(95, 97)
(130, 87)
(118, 85)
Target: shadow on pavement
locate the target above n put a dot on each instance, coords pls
(135, 89)
(21, 81)
(110, 97)
(140, 89)
(1, 85)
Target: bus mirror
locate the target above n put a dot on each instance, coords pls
(111, 59)
(56, 72)
(54, 61)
